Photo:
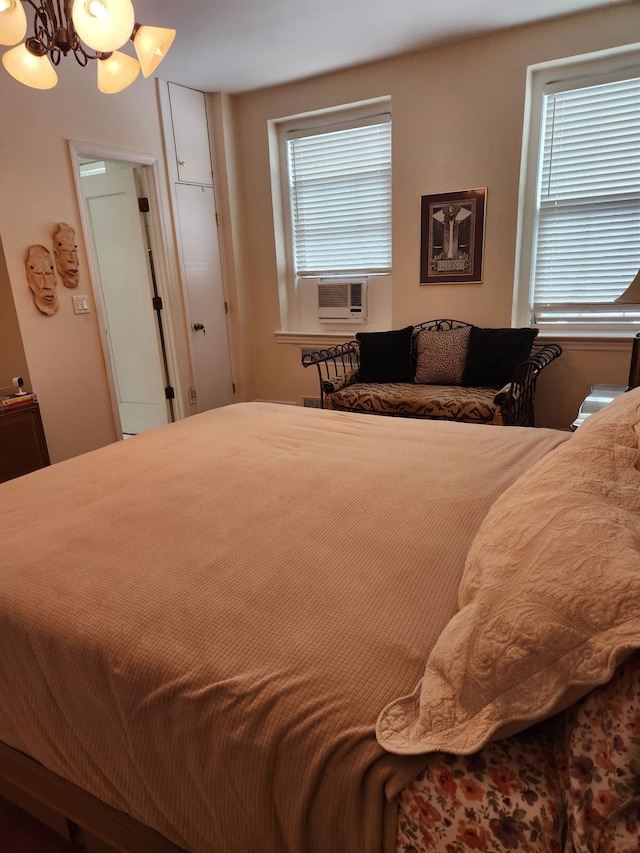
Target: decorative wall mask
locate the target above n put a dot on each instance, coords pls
(66, 254)
(42, 279)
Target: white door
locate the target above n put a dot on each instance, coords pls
(190, 135)
(200, 258)
(126, 293)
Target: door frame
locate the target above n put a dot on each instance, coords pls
(159, 237)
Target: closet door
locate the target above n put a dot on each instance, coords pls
(186, 132)
(191, 135)
(202, 275)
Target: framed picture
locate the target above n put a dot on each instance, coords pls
(451, 237)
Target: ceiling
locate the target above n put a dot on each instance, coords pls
(239, 45)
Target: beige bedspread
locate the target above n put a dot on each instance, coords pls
(200, 625)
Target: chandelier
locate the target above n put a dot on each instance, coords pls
(89, 29)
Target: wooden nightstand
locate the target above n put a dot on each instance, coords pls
(598, 397)
(23, 447)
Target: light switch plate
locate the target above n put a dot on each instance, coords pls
(80, 304)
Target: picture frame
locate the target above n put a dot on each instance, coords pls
(452, 237)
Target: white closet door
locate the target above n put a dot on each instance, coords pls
(191, 135)
(201, 270)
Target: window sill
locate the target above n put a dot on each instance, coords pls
(589, 341)
(315, 338)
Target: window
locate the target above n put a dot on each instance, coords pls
(332, 218)
(340, 197)
(581, 226)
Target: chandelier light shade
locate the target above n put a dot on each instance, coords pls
(13, 22)
(116, 72)
(88, 29)
(34, 71)
(103, 25)
(152, 44)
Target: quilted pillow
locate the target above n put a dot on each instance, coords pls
(494, 354)
(385, 356)
(441, 356)
(549, 599)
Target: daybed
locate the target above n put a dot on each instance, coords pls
(212, 631)
(444, 369)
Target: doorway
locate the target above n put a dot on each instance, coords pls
(116, 216)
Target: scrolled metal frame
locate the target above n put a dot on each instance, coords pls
(339, 364)
(518, 406)
(334, 364)
(55, 35)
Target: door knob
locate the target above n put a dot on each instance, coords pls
(198, 327)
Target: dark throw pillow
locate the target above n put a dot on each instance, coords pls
(385, 356)
(494, 354)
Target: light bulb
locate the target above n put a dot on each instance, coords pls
(117, 72)
(34, 71)
(13, 22)
(103, 25)
(97, 9)
(151, 45)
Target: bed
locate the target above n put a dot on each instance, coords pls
(256, 629)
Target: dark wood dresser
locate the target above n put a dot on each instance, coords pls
(23, 447)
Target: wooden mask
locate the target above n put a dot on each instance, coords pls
(42, 279)
(66, 254)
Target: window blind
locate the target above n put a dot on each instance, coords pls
(340, 198)
(587, 249)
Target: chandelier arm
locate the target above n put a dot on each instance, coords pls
(81, 55)
(65, 22)
(68, 17)
(32, 4)
(44, 25)
(50, 9)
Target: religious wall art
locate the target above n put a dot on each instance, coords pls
(42, 279)
(452, 237)
(66, 254)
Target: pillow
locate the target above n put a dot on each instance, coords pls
(385, 356)
(441, 356)
(549, 599)
(494, 354)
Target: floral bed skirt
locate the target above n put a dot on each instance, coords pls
(570, 784)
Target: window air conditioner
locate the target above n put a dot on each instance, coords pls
(342, 301)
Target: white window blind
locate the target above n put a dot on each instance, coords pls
(340, 198)
(587, 249)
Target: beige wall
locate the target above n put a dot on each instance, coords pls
(63, 352)
(457, 114)
(457, 123)
(12, 358)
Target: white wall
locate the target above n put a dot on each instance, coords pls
(63, 352)
(457, 124)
